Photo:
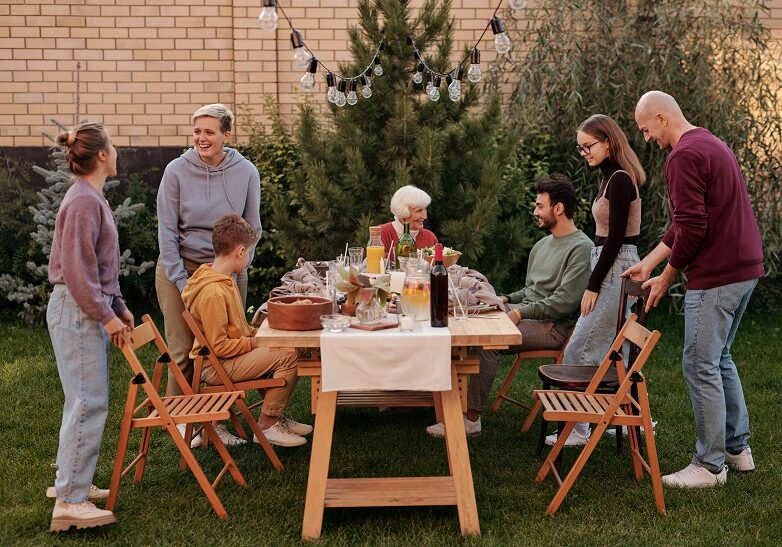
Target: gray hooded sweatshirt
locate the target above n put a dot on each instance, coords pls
(192, 196)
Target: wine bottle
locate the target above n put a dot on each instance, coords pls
(438, 301)
(406, 246)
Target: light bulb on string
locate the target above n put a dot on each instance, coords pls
(308, 80)
(434, 93)
(474, 72)
(517, 4)
(368, 76)
(331, 82)
(301, 57)
(418, 77)
(352, 97)
(267, 20)
(341, 99)
(455, 83)
(378, 66)
(501, 40)
(453, 95)
(366, 88)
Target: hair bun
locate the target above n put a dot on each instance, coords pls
(71, 138)
(66, 138)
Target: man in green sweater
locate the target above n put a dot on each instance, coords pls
(547, 308)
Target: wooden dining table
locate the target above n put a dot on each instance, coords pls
(488, 331)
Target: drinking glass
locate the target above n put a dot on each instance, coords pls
(460, 296)
(415, 296)
(356, 255)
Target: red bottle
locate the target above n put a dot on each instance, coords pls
(438, 301)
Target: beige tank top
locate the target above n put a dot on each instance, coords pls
(600, 211)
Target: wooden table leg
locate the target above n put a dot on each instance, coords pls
(459, 460)
(319, 465)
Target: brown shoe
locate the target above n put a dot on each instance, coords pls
(80, 515)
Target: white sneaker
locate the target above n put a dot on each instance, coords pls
(295, 427)
(612, 430)
(280, 435)
(195, 442)
(470, 428)
(81, 515)
(574, 439)
(228, 438)
(95, 493)
(742, 461)
(695, 476)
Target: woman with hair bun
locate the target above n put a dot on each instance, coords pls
(617, 212)
(408, 204)
(85, 311)
(205, 183)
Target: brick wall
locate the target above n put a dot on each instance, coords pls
(146, 65)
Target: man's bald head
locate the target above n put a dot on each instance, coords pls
(660, 119)
(657, 102)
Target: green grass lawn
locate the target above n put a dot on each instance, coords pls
(605, 506)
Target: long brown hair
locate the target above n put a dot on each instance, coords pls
(83, 143)
(603, 127)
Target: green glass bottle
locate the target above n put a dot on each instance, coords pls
(406, 246)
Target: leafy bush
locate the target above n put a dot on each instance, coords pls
(16, 194)
(572, 59)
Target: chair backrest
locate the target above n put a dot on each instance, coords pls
(142, 335)
(205, 352)
(633, 289)
(637, 335)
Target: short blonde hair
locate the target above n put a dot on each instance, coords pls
(406, 197)
(219, 111)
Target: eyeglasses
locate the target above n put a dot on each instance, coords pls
(587, 148)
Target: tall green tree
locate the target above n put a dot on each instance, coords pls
(572, 59)
(353, 158)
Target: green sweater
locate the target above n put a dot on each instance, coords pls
(557, 275)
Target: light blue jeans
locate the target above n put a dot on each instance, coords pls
(711, 319)
(594, 333)
(81, 348)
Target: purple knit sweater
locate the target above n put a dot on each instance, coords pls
(85, 252)
(713, 237)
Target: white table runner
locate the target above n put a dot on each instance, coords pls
(355, 360)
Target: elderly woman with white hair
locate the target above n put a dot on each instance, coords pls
(408, 205)
(205, 183)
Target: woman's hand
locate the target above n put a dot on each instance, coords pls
(588, 302)
(118, 332)
(127, 318)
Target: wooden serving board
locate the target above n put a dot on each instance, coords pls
(384, 324)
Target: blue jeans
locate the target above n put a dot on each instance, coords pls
(711, 319)
(594, 333)
(81, 348)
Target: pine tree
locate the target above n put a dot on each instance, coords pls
(354, 158)
(32, 291)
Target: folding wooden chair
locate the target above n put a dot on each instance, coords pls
(502, 395)
(229, 385)
(604, 410)
(168, 412)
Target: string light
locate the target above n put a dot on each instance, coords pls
(303, 57)
(453, 77)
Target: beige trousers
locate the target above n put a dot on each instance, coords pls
(258, 363)
(179, 339)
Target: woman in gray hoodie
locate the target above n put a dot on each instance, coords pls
(203, 184)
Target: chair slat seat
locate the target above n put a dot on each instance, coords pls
(576, 376)
(627, 406)
(168, 412)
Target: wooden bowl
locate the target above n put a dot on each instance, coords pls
(448, 260)
(286, 313)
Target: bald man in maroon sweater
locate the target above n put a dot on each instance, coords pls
(714, 239)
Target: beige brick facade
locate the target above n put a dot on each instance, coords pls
(146, 65)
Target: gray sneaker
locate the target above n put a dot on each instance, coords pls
(742, 461)
(470, 428)
(295, 427)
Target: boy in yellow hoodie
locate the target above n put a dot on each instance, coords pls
(212, 297)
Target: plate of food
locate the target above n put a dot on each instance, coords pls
(450, 256)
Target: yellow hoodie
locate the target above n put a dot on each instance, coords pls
(213, 300)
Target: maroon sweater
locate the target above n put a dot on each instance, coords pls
(425, 238)
(85, 252)
(713, 235)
